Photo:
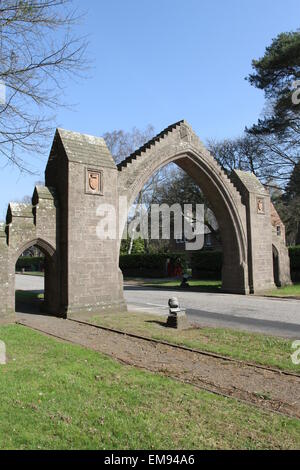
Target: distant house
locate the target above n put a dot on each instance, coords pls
(211, 242)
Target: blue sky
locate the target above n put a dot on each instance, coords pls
(159, 61)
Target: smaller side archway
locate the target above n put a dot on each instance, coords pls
(51, 303)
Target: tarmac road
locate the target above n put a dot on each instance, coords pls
(279, 317)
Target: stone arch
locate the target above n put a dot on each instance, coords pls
(180, 145)
(51, 302)
(27, 225)
(46, 248)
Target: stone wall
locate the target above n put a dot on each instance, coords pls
(7, 313)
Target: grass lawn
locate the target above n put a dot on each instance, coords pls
(32, 273)
(288, 291)
(56, 395)
(252, 347)
(29, 296)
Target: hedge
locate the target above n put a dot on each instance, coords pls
(294, 252)
(149, 265)
(204, 264)
(207, 264)
(30, 263)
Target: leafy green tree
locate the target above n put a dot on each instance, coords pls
(287, 204)
(293, 187)
(291, 201)
(138, 246)
(276, 73)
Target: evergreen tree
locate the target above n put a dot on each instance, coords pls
(276, 73)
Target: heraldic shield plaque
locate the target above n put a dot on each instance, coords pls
(94, 182)
(260, 205)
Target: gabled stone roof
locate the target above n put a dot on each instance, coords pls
(187, 134)
(19, 209)
(251, 182)
(44, 192)
(84, 148)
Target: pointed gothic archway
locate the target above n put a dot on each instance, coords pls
(180, 145)
(51, 302)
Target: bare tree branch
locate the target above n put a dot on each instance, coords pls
(38, 55)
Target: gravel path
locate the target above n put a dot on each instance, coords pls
(270, 390)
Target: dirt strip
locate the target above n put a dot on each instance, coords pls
(266, 388)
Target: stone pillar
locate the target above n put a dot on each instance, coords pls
(259, 231)
(280, 250)
(46, 215)
(85, 177)
(7, 312)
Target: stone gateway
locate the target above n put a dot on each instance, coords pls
(82, 270)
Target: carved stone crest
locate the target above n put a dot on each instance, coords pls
(260, 203)
(93, 183)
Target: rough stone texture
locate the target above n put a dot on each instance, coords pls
(280, 251)
(259, 231)
(6, 310)
(81, 271)
(178, 321)
(90, 276)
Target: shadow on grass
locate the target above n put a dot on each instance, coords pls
(157, 322)
(29, 301)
